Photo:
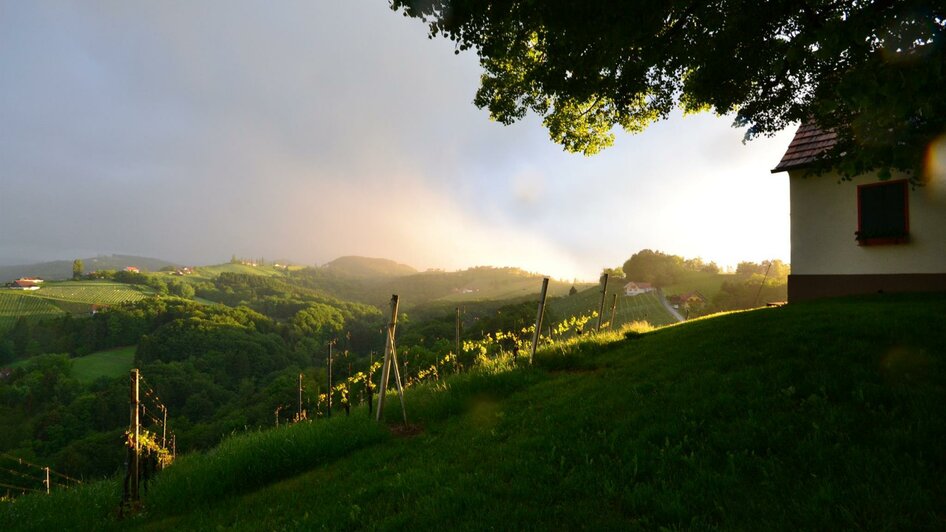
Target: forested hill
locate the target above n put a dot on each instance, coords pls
(366, 267)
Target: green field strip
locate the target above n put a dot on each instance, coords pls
(111, 363)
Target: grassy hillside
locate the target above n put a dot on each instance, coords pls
(787, 418)
(645, 307)
(207, 272)
(111, 363)
(706, 283)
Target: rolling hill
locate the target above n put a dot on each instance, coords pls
(483, 283)
(365, 267)
(782, 418)
(62, 269)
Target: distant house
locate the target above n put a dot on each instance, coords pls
(635, 288)
(864, 236)
(35, 280)
(132, 269)
(687, 297)
(23, 284)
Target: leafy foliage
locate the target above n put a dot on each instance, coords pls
(872, 71)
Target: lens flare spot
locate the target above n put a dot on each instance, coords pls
(934, 169)
(904, 364)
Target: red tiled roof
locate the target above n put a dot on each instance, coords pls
(809, 142)
(24, 283)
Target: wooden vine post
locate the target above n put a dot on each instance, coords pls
(134, 430)
(539, 315)
(614, 305)
(329, 361)
(299, 412)
(604, 293)
(390, 359)
(164, 427)
(369, 385)
(458, 333)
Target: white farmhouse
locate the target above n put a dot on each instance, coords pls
(635, 288)
(863, 236)
(24, 284)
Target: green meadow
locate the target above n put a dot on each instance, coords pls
(111, 363)
(773, 419)
(708, 284)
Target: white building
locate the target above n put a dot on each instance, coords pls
(635, 288)
(861, 236)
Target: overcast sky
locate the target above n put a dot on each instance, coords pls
(308, 130)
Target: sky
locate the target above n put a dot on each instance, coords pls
(309, 130)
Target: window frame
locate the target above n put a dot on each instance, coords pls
(885, 240)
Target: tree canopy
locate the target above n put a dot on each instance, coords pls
(873, 71)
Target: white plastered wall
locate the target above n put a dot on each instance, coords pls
(824, 218)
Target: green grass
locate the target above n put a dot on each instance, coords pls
(823, 415)
(15, 304)
(207, 272)
(110, 363)
(708, 284)
(644, 307)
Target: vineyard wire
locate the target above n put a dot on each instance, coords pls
(20, 488)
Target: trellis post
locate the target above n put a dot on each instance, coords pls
(604, 293)
(330, 346)
(135, 412)
(614, 305)
(164, 427)
(390, 358)
(539, 315)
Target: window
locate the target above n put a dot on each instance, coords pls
(883, 214)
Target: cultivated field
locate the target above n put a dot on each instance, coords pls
(14, 304)
(93, 292)
(56, 298)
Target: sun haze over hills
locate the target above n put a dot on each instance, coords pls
(354, 266)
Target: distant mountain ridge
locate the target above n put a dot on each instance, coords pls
(62, 269)
(368, 267)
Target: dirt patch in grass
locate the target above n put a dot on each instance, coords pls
(408, 430)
